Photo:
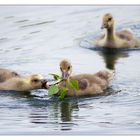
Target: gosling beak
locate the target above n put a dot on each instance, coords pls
(44, 83)
(65, 75)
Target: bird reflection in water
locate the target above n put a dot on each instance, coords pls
(111, 56)
(61, 112)
(66, 111)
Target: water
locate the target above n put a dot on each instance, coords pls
(33, 39)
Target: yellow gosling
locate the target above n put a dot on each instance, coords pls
(112, 39)
(89, 84)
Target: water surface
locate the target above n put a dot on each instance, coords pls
(33, 39)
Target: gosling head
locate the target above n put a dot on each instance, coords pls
(108, 21)
(37, 81)
(66, 69)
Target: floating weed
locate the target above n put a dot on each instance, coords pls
(55, 88)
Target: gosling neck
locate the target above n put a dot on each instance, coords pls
(67, 80)
(110, 33)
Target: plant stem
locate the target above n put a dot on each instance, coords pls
(56, 83)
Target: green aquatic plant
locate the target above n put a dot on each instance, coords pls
(55, 76)
(55, 89)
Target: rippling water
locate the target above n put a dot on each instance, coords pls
(33, 39)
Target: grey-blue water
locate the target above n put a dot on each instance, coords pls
(33, 39)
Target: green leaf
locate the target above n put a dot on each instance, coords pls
(53, 90)
(74, 84)
(63, 92)
(55, 76)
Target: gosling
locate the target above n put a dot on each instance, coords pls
(24, 83)
(89, 84)
(112, 39)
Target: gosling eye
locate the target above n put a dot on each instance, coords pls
(109, 19)
(35, 80)
(68, 67)
(15, 74)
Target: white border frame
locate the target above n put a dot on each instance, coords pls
(81, 2)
